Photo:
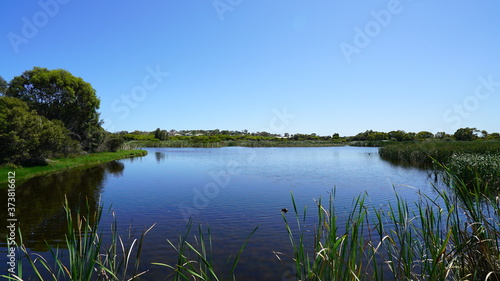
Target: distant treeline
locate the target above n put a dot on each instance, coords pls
(374, 137)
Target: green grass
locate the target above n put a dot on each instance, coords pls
(423, 153)
(56, 165)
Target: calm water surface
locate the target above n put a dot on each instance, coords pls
(232, 189)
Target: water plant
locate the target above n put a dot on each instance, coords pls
(86, 258)
(452, 236)
(471, 168)
(426, 152)
(195, 259)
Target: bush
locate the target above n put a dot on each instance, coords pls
(112, 143)
(25, 135)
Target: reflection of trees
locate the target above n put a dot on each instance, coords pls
(115, 168)
(39, 202)
(160, 156)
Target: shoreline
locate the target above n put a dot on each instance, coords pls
(61, 164)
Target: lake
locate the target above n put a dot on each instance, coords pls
(232, 189)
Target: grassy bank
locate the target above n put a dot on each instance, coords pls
(422, 153)
(55, 165)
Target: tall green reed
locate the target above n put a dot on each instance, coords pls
(85, 258)
(340, 251)
(195, 259)
(452, 235)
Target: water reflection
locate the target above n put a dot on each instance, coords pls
(39, 202)
(160, 156)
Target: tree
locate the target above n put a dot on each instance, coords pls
(494, 136)
(484, 134)
(440, 135)
(57, 94)
(465, 134)
(3, 86)
(161, 134)
(410, 136)
(422, 135)
(25, 135)
(112, 142)
(398, 135)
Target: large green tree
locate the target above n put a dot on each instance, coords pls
(57, 94)
(466, 134)
(25, 135)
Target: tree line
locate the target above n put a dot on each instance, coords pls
(462, 134)
(49, 114)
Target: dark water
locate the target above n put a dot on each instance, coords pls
(232, 189)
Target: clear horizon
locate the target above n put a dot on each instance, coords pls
(283, 67)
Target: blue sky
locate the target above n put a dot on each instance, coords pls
(291, 66)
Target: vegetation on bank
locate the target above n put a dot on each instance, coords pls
(50, 114)
(56, 165)
(218, 138)
(423, 153)
(245, 143)
(471, 168)
(451, 235)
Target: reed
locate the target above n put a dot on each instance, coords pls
(424, 153)
(86, 259)
(471, 168)
(195, 259)
(341, 251)
(452, 236)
